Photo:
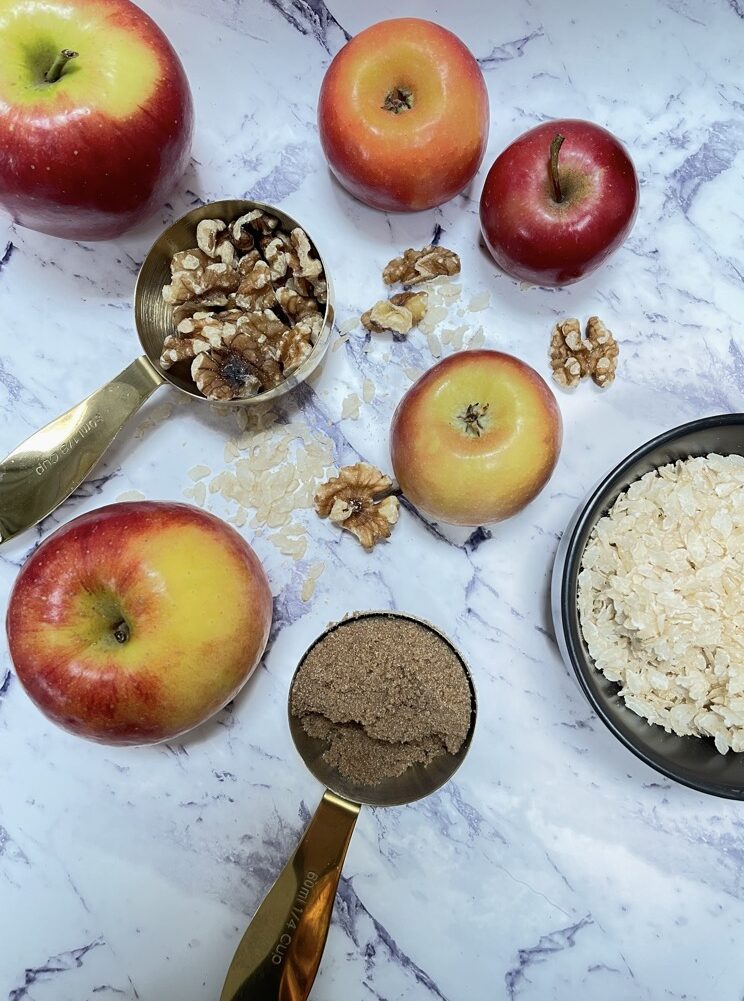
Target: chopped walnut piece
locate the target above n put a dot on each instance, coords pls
(416, 302)
(255, 291)
(421, 265)
(263, 326)
(206, 303)
(310, 267)
(247, 262)
(320, 289)
(311, 326)
(572, 358)
(385, 315)
(296, 306)
(278, 252)
(207, 232)
(195, 334)
(237, 369)
(604, 352)
(189, 260)
(360, 499)
(293, 348)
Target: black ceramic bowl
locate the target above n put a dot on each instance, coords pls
(693, 761)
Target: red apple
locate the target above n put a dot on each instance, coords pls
(558, 202)
(96, 116)
(403, 115)
(136, 622)
(476, 438)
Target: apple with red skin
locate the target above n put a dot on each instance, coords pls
(96, 116)
(476, 438)
(136, 622)
(403, 115)
(558, 201)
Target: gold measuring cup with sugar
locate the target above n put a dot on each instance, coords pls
(279, 955)
(46, 468)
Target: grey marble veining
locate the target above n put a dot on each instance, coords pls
(555, 866)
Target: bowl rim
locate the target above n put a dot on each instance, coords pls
(567, 562)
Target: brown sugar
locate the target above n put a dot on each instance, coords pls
(384, 693)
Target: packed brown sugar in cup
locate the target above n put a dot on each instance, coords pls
(384, 694)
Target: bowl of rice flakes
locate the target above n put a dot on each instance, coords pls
(648, 603)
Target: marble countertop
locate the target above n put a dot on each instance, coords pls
(555, 865)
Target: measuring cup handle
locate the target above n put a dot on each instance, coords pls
(45, 469)
(279, 955)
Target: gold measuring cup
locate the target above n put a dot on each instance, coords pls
(45, 469)
(279, 955)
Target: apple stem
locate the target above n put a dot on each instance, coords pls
(398, 99)
(472, 417)
(555, 148)
(55, 70)
(121, 631)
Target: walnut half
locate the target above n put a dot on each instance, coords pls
(572, 358)
(421, 265)
(360, 499)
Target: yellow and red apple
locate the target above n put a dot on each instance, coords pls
(403, 115)
(96, 116)
(476, 438)
(136, 622)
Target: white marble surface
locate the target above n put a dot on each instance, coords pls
(555, 866)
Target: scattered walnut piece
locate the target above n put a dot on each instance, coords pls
(360, 500)
(385, 315)
(421, 265)
(416, 302)
(604, 352)
(572, 358)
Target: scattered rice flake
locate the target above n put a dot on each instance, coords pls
(458, 335)
(479, 302)
(412, 373)
(478, 339)
(240, 517)
(277, 518)
(348, 325)
(350, 407)
(450, 291)
(368, 391)
(199, 493)
(434, 346)
(131, 495)
(433, 318)
(231, 451)
(199, 472)
(294, 528)
(308, 589)
(339, 341)
(244, 442)
(296, 548)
